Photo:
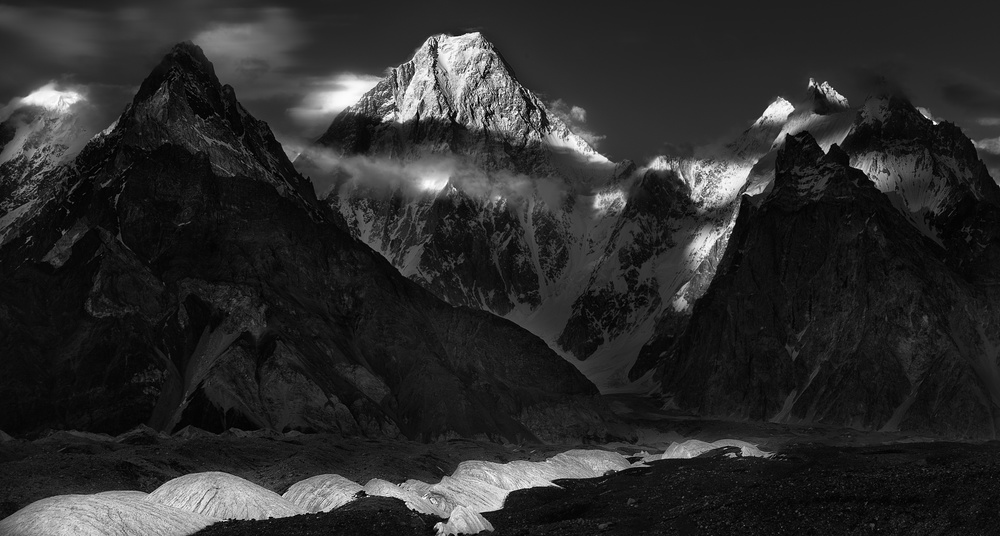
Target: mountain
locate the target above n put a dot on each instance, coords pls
(458, 95)
(472, 187)
(829, 305)
(717, 176)
(187, 274)
(40, 135)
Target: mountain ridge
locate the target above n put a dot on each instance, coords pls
(813, 333)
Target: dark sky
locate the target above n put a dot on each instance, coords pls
(686, 72)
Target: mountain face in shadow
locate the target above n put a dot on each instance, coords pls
(831, 306)
(933, 175)
(188, 275)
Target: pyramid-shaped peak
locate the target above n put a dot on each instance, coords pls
(825, 98)
(457, 80)
(185, 61)
(776, 113)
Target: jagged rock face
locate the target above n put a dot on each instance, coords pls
(717, 175)
(187, 279)
(933, 176)
(829, 306)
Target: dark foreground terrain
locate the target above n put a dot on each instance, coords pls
(918, 488)
(809, 488)
(823, 480)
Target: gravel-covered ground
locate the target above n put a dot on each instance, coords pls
(917, 488)
(823, 481)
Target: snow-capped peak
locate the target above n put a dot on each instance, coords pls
(825, 98)
(458, 95)
(456, 50)
(776, 113)
(52, 99)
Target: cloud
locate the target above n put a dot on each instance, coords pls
(426, 175)
(108, 42)
(328, 96)
(66, 36)
(677, 150)
(575, 118)
(989, 153)
(254, 55)
(989, 145)
(988, 121)
(64, 33)
(926, 112)
(49, 96)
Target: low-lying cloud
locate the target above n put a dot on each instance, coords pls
(425, 175)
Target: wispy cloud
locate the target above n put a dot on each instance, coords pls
(989, 152)
(989, 145)
(50, 96)
(252, 48)
(988, 121)
(254, 55)
(575, 118)
(328, 96)
(926, 112)
(64, 34)
(333, 174)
